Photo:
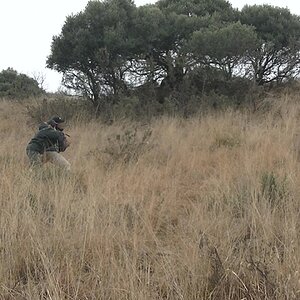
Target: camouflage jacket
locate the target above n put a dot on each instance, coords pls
(47, 139)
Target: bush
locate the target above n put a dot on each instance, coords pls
(210, 81)
(18, 86)
(274, 189)
(126, 146)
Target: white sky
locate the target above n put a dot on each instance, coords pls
(27, 28)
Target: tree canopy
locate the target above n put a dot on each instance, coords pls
(277, 56)
(113, 46)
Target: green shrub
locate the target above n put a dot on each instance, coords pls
(274, 189)
(18, 86)
(226, 141)
(128, 145)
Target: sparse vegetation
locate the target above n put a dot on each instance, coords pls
(200, 208)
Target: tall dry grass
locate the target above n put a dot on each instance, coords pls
(203, 208)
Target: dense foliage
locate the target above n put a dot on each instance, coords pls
(17, 86)
(174, 50)
(277, 56)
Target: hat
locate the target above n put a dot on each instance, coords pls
(56, 119)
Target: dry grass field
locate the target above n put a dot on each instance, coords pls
(205, 208)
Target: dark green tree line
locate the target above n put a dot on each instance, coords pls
(112, 47)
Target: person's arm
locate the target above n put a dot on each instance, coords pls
(63, 142)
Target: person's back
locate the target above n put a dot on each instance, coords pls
(46, 139)
(46, 145)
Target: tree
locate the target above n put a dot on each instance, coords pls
(219, 8)
(113, 47)
(162, 37)
(224, 46)
(277, 56)
(105, 48)
(18, 86)
(94, 48)
(164, 31)
(40, 78)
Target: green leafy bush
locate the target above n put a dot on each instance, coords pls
(18, 86)
(128, 145)
(274, 189)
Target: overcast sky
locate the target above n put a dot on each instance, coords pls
(27, 28)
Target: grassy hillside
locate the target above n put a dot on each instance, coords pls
(203, 208)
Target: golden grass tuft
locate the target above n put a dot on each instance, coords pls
(206, 208)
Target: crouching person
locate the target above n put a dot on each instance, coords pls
(47, 144)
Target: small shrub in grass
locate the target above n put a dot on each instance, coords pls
(226, 141)
(273, 189)
(238, 202)
(128, 145)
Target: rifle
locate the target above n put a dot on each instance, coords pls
(61, 129)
